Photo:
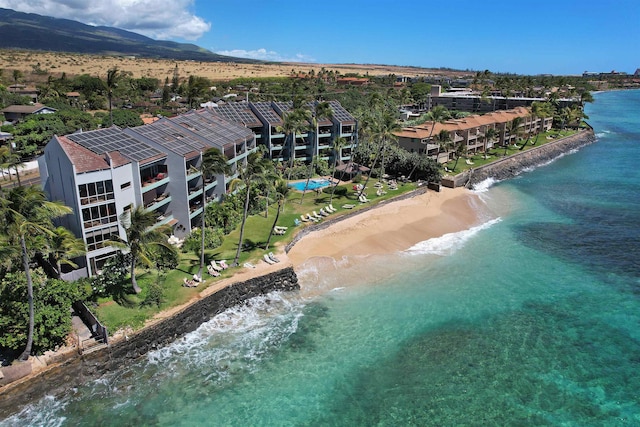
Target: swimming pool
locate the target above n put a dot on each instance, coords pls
(313, 184)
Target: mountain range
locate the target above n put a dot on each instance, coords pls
(30, 31)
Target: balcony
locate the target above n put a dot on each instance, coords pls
(158, 202)
(149, 183)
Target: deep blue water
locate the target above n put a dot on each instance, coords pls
(532, 318)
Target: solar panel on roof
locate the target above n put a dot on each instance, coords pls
(113, 139)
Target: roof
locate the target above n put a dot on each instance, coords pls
(238, 112)
(108, 140)
(26, 109)
(424, 131)
(82, 158)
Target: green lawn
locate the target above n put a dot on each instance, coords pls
(499, 152)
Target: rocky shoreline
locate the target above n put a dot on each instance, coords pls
(515, 164)
(79, 369)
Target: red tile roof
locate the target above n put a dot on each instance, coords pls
(83, 159)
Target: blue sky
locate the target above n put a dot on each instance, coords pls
(557, 37)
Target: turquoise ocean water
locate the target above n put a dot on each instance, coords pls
(532, 318)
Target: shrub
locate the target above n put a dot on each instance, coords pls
(341, 191)
(212, 239)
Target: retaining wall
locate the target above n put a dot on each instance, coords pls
(513, 165)
(77, 370)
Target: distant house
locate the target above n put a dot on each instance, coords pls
(16, 113)
(353, 81)
(25, 90)
(72, 96)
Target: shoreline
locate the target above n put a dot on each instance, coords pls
(391, 226)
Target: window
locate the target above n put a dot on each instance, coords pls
(125, 185)
(95, 192)
(99, 215)
(95, 239)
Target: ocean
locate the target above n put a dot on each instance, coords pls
(532, 318)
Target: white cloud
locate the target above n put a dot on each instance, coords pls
(265, 55)
(158, 19)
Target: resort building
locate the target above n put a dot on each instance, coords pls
(103, 173)
(472, 132)
(266, 119)
(467, 100)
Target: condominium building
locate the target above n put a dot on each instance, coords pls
(472, 132)
(103, 173)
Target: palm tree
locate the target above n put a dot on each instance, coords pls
(438, 114)
(281, 192)
(63, 247)
(257, 169)
(293, 122)
(213, 163)
(338, 144)
(444, 140)
(383, 131)
(113, 75)
(141, 239)
(489, 135)
(27, 216)
(321, 110)
(513, 128)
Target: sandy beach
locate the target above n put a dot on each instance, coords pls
(392, 227)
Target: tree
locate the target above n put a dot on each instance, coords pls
(213, 162)
(438, 114)
(281, 192)
(141, 239)
(113, 75)
(123, 119)
(293, 123)
(383, 131)
(321, 110)
(63, 247)
(514, 128)
(489, 136)
(26, 217)
(338, 144)
(256, 170)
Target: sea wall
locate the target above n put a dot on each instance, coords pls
(513, 165)
(77, 370)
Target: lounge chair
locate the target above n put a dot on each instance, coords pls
(212, 271)
(469, 162)
(268, 260)
(281, 228)
(348, 206)
(380, 192)
(249, 265)
(215, 266)
(189, 283)
(363, 199)
(197, 278)
(329, 209)
(317, 216)
(312, 218)
(273, 257)
(297, 222)
(323, 212)
(278, 231)
(223, 264)
(304, 219)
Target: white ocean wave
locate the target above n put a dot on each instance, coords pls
(448, 243)
(483, 186)
(43, 413)
(232, 341)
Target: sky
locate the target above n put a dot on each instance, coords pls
(539, 37)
